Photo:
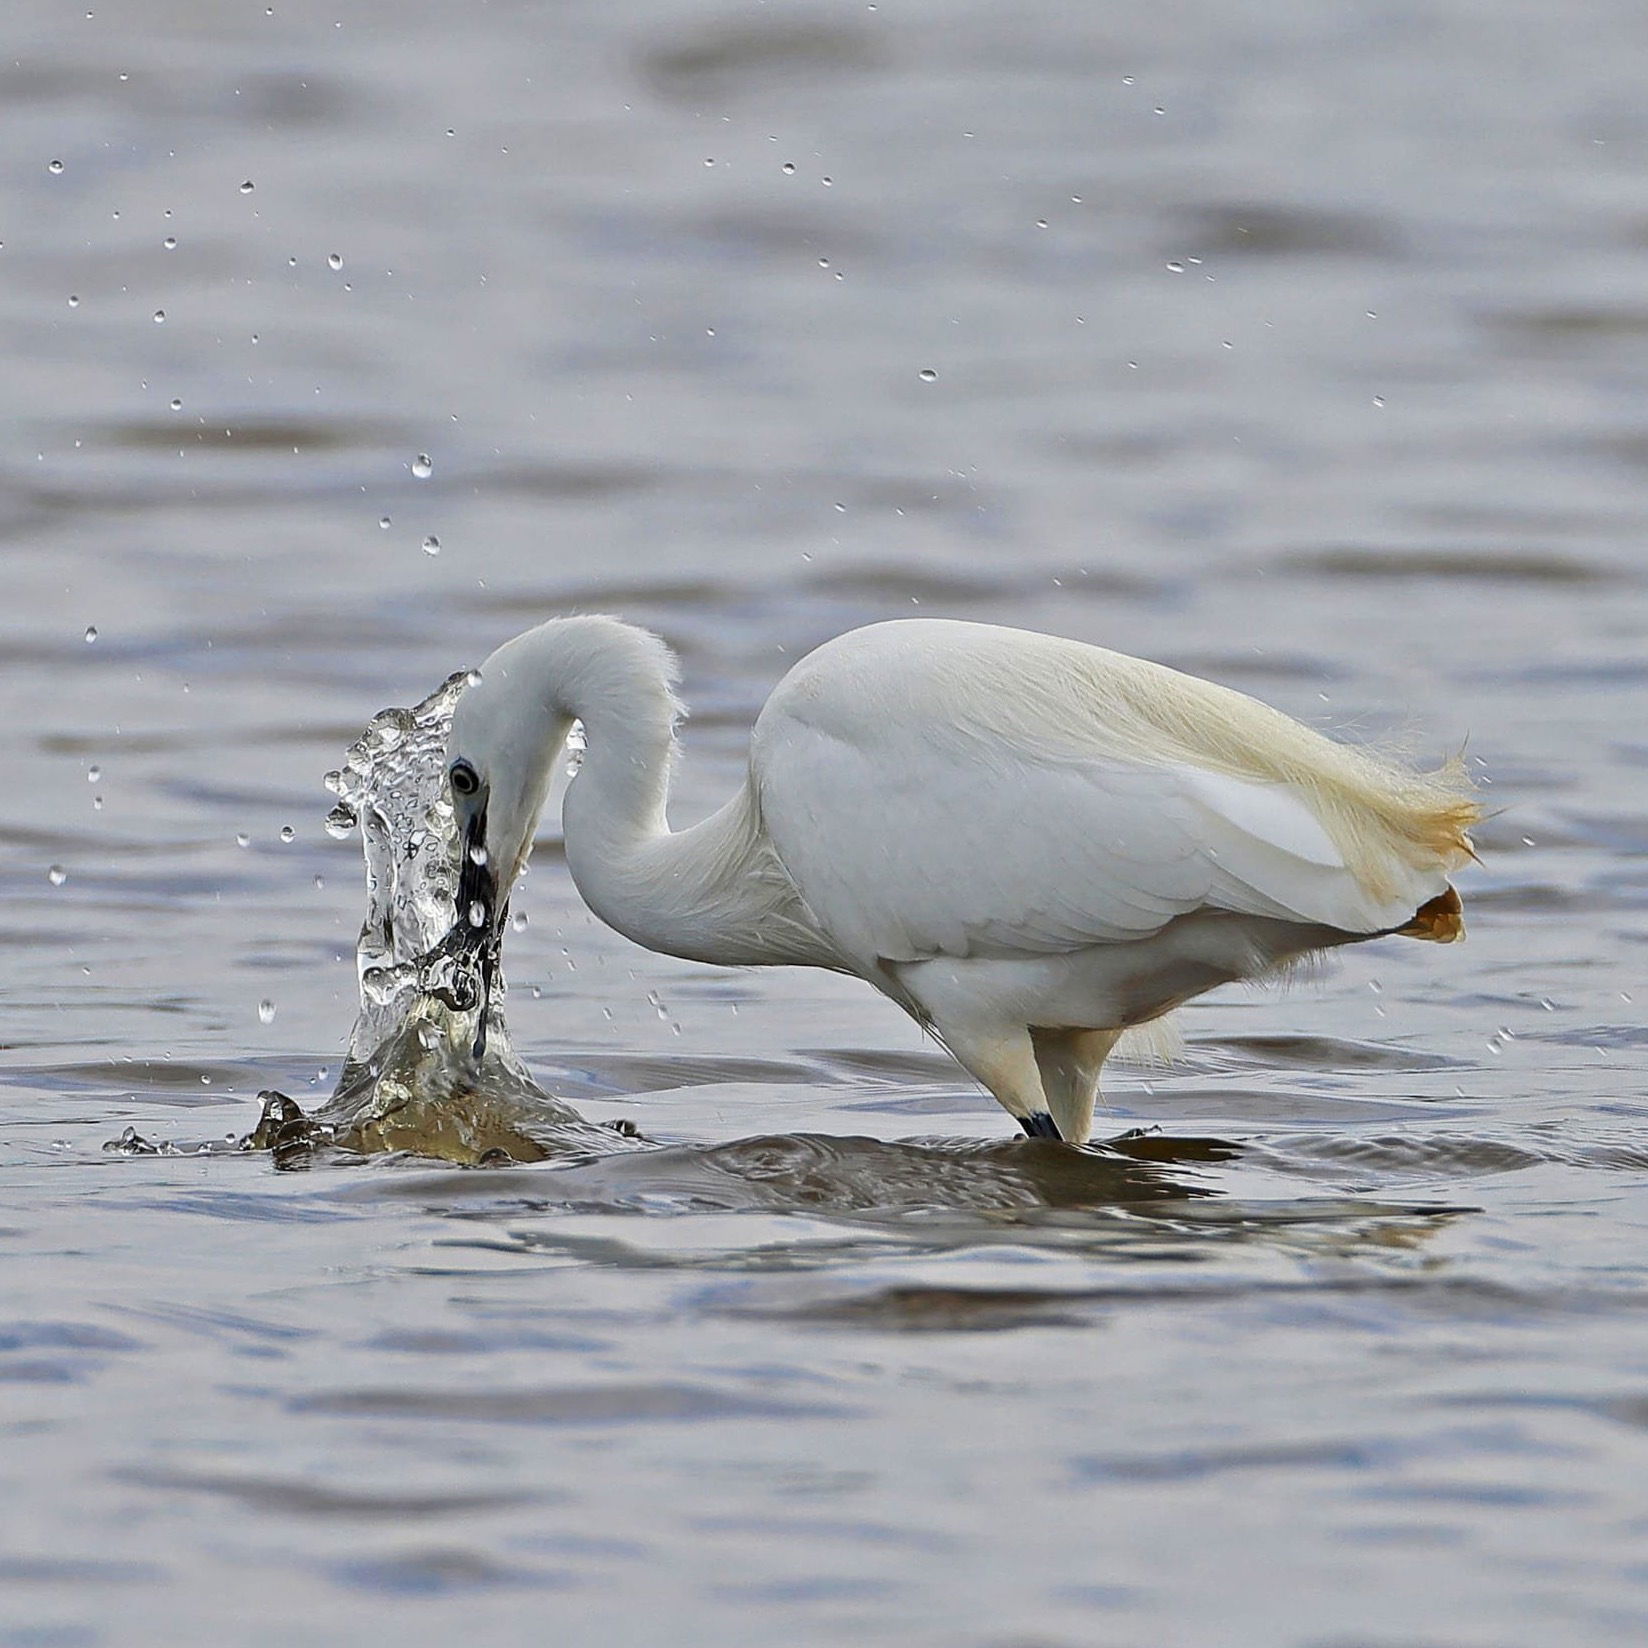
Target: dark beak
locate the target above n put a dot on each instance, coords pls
(478, 931)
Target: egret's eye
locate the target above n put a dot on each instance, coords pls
(465, 780)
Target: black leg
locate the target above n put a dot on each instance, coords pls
(1040, 1126)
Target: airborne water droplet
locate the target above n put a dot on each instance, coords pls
(384, 522)
(93, 773)
(518, 922)
(170, 243)
(335, 260)
(246, 187)
(927, 375)
(431, 545)
(160, 317)
(242, 839)
(287, 833)
(266, 1011)
(57, 875)
(74, 302)
(55, 167)
(422, 467)
(477, 854)
(477, 914)
(91, 633)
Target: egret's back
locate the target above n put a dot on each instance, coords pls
(954, 788)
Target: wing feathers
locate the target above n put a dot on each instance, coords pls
(927, 802)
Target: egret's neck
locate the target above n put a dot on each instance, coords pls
(665, 890)
(711, 893)
(616, 681)
(631, 871)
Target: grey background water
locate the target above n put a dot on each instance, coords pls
(1301, 345)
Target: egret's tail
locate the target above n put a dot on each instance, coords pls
(1440, 920)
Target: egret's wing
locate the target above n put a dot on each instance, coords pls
(906, 846)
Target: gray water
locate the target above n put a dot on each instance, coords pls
(1326, 377)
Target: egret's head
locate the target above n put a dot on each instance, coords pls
(500, 753)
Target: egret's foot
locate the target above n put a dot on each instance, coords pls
(1040, 1125)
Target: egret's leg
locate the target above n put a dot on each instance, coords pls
(1003, 1058)
(1069, 1062)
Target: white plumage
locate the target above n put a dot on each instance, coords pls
(1029, 843)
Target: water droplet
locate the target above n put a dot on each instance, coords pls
(828, 182)
(422, 467)
(91, 633)
(170, 243)
(93, 773)
(287, 833)
(384, 522)
(177, 405)
(242, 839)
(55, 167)
(927, 375)
(246, 187)
(518, 922)
(1175, 267)
(97, 803)
(339, 822)
(1041, 223)
(477, 854)
(335, 260)
(709, 162)
(788, 168)
(57, 875)
(74, 301)
(1378, 400)
(160, 317)
(476, 914)
(431, 545)
(266, 1011)
(320, 884)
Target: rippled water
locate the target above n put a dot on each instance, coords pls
(1301, 347)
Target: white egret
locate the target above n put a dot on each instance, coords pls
(1030, 844)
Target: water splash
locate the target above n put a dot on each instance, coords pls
(411, 1080)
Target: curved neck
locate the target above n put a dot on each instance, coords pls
(620, 794)
(661, 889)
(713, 893)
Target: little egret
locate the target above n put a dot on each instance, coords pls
(1030, 844)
